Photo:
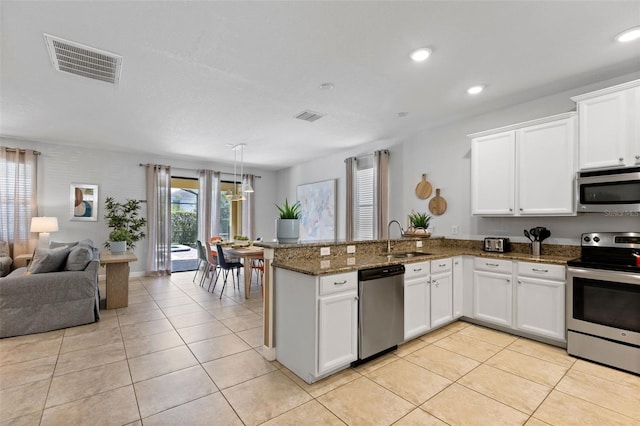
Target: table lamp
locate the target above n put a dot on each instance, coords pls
(44, 225)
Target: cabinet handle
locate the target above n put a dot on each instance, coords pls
(356, 298)
(456, 263)
(544, 271)
(510, 209)
(508, 280)
(417, 270)
(621, 159)
(442, 265)
(340, 283)
(492, 265)
(519, 282)
(637, 157)
(520, 208)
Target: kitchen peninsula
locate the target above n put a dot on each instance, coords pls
(311, 308)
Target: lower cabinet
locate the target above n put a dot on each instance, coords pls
(316, 322)
(441, 292)
(337, 330)
(417, 300)
(492, 291)
(540, 300)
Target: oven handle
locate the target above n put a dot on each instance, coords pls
(604, 275)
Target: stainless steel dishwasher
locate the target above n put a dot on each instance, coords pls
(381, 310)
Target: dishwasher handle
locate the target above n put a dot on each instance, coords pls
(380, 272)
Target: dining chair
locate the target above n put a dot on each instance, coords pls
(257, 266)
(226, 267)
(212, 261)
(202, 259)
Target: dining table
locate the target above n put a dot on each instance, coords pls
(247, 253)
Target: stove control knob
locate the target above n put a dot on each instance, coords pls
(596, 239)
(587, 239)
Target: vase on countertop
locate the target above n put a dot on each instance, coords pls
(287, 230)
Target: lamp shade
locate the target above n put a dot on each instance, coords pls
(44, 224)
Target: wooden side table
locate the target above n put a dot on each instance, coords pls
(22, 260)
(117, 268)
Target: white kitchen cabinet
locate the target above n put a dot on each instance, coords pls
(609, 127)
(492, 291)
(493, 174)
(316, 322)
(525, 169)
(458, 286)
(540, 300)
(417, 300)
(441, 292)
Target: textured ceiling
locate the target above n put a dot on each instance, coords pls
(199, 75)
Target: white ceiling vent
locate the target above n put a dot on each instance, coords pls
(85, 61)
(309, 116)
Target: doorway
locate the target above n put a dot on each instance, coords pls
(184, 224)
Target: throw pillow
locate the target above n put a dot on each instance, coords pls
(48, 260)
(79, 257)
(56, 244)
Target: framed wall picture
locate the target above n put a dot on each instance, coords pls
(318, 210)
(84, 202)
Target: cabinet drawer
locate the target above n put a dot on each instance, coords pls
(340, 282)
(440, 265)
(541, 270)
(493, 265)
(419, 269)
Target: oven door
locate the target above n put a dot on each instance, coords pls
(604, 303)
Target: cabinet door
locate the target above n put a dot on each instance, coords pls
(634, 117)
(492, 298)
(540, 307)
(458, 286)
(546, 169)
(604, 130)
(337, 331)
(416, 306)
(441, 299)
(492, 174)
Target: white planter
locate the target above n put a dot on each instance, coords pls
(118, 247)
(287, 230)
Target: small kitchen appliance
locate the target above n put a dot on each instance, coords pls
(497, 244)
(603, 300)
(609, 191)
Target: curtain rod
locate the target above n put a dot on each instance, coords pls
(183, 168)
(22, 151)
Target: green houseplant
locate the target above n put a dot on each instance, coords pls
(419, 222)
(288, 225)
(126, 224)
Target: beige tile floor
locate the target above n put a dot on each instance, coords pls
(178, 355)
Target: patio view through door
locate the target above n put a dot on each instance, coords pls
(184, 220)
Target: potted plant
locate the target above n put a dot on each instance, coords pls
(419, 223)
(288, 225)
(127, 226)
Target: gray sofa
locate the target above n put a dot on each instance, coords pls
(43, 300)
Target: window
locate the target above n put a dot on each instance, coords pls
(230, 210)
(17, 193)
(365, 210)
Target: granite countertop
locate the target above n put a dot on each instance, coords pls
(334, 265)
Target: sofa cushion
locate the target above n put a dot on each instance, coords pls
(79, 257)
(48, 260)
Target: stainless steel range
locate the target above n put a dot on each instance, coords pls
(603, 300)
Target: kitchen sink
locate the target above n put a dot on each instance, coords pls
(406, 255)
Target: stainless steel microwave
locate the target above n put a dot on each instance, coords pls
(610, 191)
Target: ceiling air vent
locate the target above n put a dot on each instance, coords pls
(309, 116)
(85, 61)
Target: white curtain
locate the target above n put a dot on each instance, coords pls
(381, 172)
(350, 190)
(18, 198)
(158, 220)
(248, 208)
(208, 205)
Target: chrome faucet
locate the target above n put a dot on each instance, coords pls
(389, 234)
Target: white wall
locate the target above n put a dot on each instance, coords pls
(117, 175)
(445, 155)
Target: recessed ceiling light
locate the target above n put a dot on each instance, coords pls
(475, 90)
(629, 35)
(420, 55)
(326, 86)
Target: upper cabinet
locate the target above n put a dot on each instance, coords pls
(609, 127)
(525, 169)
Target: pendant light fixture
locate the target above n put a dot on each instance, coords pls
(246, 187)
